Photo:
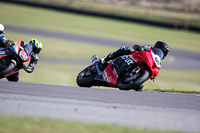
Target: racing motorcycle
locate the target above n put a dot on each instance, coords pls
(14, 58)
(125, 72)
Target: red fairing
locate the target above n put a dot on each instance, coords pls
(111, 75)
(3, 56)
(146, 58)
(155, 72)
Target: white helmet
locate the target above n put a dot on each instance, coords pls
(1, 27)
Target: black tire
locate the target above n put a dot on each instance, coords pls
(84, 80)
(7, 70)
(143, 76)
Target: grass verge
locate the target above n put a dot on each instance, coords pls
(173, 11)
(17, 124)
(172, 91)
(178, 80)
(53, 74)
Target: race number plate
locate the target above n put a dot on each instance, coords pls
(123, 62)
(23, 55)
(128, 59)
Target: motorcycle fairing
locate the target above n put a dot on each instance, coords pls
(1, 56)
(20, 48)
(156, 59)
(111, 75)
(143, 57)
(149, 58)
(117, 67)
(123, 62)
(2, 52)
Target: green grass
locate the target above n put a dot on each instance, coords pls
(94, 26)
(53, 74)
(170, 13)
(16, 124)
(172, 91)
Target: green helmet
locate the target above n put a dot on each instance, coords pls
(37, 45)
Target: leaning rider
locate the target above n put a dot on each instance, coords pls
(160, 48)
(35, 44)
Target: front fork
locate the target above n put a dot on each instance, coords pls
(99, 77)
(136, 70)
(133, 75)
(95, 61)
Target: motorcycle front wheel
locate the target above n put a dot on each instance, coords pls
(86, 77)
(123, 84)
(6, 67)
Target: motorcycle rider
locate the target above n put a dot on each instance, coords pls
(160, 49)
(36, 48)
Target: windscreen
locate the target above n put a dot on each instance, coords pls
(158, 52)
(28, 48)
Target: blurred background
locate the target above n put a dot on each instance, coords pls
(183, 11)
(70, 39)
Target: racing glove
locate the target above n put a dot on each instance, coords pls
(34, 60)
(124, 47)
(137, 47)
(29, 69)
(146, 48)
(10, 43)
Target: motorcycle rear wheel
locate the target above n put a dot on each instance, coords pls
(143, 76)
(86, 77)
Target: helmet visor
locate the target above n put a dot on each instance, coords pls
(28, 48)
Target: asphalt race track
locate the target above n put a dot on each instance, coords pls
(153, 110)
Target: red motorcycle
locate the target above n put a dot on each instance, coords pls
(125, 72)
(14, 58)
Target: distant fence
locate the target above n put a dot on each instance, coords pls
(107, 15)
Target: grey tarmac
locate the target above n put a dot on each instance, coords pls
(152, 110)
